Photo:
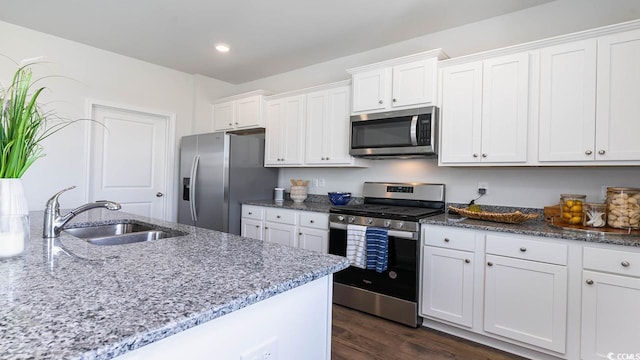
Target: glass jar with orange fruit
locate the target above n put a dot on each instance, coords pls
(571, 208)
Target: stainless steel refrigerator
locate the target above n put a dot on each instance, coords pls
(218, 172)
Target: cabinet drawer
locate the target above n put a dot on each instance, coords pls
(314, 220)
(253, 212)
(613, 261)
(526, 249)
(450, 238)
(281, 216)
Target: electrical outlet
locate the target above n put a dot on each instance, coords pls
(320, 182)
(265, 351)
(483, 188)
(315, 183)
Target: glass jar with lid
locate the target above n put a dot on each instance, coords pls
(623, 207)
(571, 208)
(595, 215)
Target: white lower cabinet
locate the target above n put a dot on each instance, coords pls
(610, 304)
(447, 280)
(526, 291)
(304, 229)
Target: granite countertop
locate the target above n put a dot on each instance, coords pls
(288, 204)
(534, 228)
(68, 299)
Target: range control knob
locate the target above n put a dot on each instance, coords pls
(340, 218)
(387, 223)
(369, 221)
(352, 219)
(399, 225)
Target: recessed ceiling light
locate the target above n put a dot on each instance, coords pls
(223, 48)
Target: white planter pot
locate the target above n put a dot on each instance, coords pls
(14, 218)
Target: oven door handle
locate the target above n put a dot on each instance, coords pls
(394, 233)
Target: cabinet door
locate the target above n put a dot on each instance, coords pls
(223, 116)
(280, 233)
(249, 112)
(414, 83)
(316, 128)
(292, 127)
(618, 104)
(567, 102)
(610, 316)
(526, 301)
(370, 90)
(461, 113)
(447, 285)
(505, 99)
(273, 133)
(252, 228)
(337, 127)
(314, 239)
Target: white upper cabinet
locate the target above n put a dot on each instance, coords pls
(400, 83)
(589, 101)
(284, 133)
(327, 139)
(310, 128)
(243, 112)
(567, 102)
(484, 115)
(618, 97)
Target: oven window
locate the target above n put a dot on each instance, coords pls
(381, 133)
(400, 278)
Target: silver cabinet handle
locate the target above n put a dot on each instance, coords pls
(446, 240)
(379, 101)
(300, 233)
(475, 155)
(327, 159)
(490, 263)
(625, 263)
(257, 226)
(159, 194)
(278, 216)
(311, 221)
(250, 213)
(394, 100)
(237, 123)
(588, 152)
(230, 124)
(523, 249)
(601, 152)
(589, 282)
(484, 155)
(467, 261)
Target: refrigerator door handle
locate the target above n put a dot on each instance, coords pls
(192, 197)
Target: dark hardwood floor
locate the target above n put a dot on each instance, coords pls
(358, 336)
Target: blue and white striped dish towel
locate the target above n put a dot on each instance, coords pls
(356, 245)
(377, 248)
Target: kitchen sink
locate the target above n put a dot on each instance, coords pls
(125, 232)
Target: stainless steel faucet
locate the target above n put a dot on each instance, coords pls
(53, 222)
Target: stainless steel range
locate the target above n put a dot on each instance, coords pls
(398, 207)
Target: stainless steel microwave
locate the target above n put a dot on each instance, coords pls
(395, 134)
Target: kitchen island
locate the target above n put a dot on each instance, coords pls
(207, 294)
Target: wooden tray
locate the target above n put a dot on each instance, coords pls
(556, 221)
(509, 218)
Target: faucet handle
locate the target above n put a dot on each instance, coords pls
(53, 202)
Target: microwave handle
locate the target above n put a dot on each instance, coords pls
(414, 130)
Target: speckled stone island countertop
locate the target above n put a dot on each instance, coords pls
(536, 227)
(73, 300)
(317, 203)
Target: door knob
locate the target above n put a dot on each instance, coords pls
(159, 194)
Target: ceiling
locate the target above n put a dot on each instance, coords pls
(267, 37)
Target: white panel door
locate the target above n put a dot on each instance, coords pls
(505, 98)
(567, 102)
(447, 285)
(526, 301)
(314, 239)
(316, 128)
(292, 123)
(610, 316)
(248, 112)
(370, 90)
(223, 116)
(414, 83)
(273, 133)
(252, 229)
(128, 162)
(461, 113)
(618, 107)
(280, 233)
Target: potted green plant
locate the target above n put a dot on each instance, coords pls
(23, 126)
